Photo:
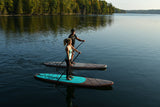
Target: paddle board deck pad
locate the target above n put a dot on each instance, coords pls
(77, 65)
(76, 80)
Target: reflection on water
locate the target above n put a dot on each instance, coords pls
(56, 24)
(70, 95)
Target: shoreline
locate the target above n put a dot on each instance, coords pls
(78, 14)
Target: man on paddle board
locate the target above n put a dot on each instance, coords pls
(73, 36)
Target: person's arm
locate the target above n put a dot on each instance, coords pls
(76, 50)
(80, 39)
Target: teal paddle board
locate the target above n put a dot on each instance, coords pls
(76, 80)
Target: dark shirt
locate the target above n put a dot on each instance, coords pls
(73, 37)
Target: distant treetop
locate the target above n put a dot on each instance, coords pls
(55, 7)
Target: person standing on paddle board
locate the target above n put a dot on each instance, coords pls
(73, 37)
(69, 50)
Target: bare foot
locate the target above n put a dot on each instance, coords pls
(72, 62)
(69, 79)
(71, 76)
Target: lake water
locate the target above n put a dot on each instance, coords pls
(128, 43)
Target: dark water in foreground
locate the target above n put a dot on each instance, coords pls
(127, 43)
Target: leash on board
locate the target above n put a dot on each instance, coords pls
(73, 60)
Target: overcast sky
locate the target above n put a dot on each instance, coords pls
(135, 4)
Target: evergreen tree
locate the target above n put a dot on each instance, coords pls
(18, 6)
(53, 4)
(9, 6)
(2, 6)
(37, 7)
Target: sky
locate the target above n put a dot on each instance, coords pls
(135, 4)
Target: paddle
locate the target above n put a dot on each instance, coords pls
(73, 60)
(79, 45)
(76, 57)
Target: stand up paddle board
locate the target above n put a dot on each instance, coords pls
(77, 65)
(76, 80)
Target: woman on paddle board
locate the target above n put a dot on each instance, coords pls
(74, 37)
(69, 50)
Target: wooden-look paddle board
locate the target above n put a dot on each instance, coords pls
(76, 80)
(77, 65)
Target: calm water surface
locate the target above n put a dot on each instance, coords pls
(127, 43)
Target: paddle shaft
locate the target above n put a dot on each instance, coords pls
(75, 57)
(79, 45)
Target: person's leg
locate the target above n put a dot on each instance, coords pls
(67, 70)
(70, 72)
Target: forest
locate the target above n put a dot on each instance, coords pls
(55, 7)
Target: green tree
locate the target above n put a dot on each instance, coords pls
(110, 8)
(37, 7)
(53, 6)
(103, 7)
(45, 6)
(2, 6)
(18, 6)
(9, 6)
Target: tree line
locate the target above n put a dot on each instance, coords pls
(117, 10)
(54, 7)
